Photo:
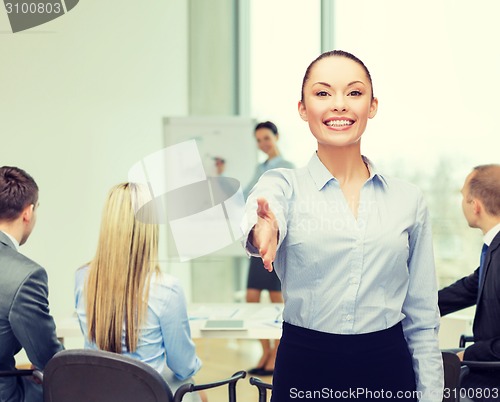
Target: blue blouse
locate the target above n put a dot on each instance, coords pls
(276, 162)
(345, 275)
(165, 336)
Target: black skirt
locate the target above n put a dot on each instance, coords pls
(260, 278)
(322, 366)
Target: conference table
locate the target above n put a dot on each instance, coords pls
(257, 320)
(262, 321)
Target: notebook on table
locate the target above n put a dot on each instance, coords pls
(224, 325)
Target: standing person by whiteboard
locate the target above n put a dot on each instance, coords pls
(266, 134)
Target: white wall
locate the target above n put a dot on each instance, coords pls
(81, 99)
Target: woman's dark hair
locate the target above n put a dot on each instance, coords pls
(333, 53)
(269, 125)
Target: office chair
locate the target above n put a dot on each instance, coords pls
(15, 373)
(472, 364)
(22, 373)
(451, 364)
(98, 376)
(262, 387)
(468, 364)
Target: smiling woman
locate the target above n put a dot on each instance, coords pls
(353, 291)
(337, 100)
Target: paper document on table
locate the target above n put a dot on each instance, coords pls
(268, 313)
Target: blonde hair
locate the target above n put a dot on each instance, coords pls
(117, 286)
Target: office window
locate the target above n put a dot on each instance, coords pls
(284, 38)
(434, 66)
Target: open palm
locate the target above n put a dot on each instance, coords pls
(265, 233)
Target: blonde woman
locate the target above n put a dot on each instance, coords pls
(125, 304)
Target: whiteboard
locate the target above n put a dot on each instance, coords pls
(228, 137)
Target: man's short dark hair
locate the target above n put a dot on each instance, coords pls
(17, 191)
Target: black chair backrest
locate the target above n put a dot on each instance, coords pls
(262, 387)
(451, 364)
(98, 376)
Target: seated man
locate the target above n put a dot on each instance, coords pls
(25, 321)
(481, 207)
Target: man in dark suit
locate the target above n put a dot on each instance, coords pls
(25, 321)
(481, 207)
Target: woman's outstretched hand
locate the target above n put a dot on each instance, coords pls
(264, 235)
